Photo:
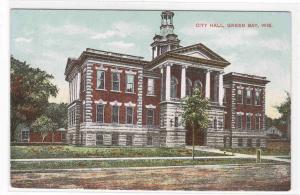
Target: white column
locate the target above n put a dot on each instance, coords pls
(183, 81)
(221, 89)
(168, 82)
(207, 84)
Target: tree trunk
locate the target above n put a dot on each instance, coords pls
(193, 155)
(52, 137)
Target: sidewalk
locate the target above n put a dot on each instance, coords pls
(238, 155)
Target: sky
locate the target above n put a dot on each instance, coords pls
(46, 38)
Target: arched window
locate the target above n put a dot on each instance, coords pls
(174, 84)
(198, 84)
(188, 89)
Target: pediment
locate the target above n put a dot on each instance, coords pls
(199, 51)
(196, 54)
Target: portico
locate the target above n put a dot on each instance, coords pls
(213, 80)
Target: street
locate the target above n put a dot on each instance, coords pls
(263, 177)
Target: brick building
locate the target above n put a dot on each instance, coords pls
(119, 99)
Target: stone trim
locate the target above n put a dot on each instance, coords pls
(101, 68)
(115, 103)
(130, 72)
(150, 106)
(100, 102)
(129, 104)
(116, 70)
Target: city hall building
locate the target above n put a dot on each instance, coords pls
(124, 100)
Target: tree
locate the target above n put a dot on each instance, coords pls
(30, 91)
(44, 125)
(285, 111)
(58, 113)
(195, 113)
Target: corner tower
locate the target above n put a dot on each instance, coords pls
(166, 40)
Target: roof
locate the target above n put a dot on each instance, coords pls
(234, 76)
(177, 54)
(108, 56)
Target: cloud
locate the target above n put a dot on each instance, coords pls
(117, 30)
(122, 30)
(275, 44)
(22, 40)
(121, 45)
(67, 29)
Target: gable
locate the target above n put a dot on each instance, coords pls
(196, 54)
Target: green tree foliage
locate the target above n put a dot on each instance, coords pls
(285, 111)
(195, 113)
(285, 108)
(44, 125)
(30, 91)
(58, 113)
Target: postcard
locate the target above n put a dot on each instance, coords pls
(150, 100)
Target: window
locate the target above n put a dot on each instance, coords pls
(257, 98)
(74, 116)
(115, 81)
(115, 139)
(164, 49)
(188, 89)
(225, 95)
(198, 85)
(249, 142)
(129, 115)
(100, 79)
(176, 121)
(83, 112)
(100, 113)
(115, 114)
(215, 123)
(150, 117)
(240, 142)
(248, 96)
(174, 83)
(150, 89)
(129, 83)
(63, 136)
(248, 121)
(258, 143)
(83, 81)
(239, 122)
(71, 138)
(129, 139)
(149, 140)
(239, 97)
(82, 138)
(25, 135)
(99, 139)
(257, 122)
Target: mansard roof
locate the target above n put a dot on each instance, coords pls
(210, 58)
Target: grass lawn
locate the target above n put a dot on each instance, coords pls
(265, 151)
(21, 152)
(124, 163)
